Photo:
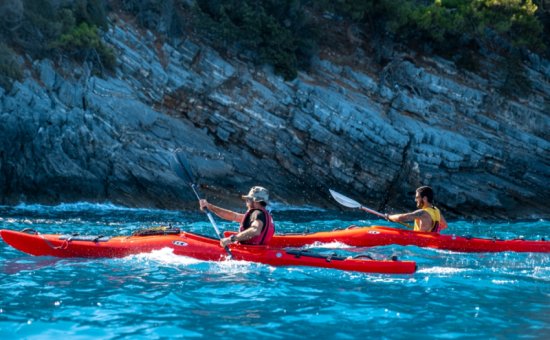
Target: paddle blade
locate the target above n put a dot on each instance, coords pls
(181, 167)
(343, 200)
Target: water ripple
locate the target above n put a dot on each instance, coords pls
(161, 295)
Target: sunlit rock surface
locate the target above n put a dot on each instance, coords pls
(373, 133)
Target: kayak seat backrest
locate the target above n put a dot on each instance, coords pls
(29, 231)
(353, 226)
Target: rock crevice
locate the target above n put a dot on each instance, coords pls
(375, 134)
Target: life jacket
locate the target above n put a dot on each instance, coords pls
(267, 231)
(435, 214)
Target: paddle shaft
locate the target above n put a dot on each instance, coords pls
(208, 213)
(350, 203)
(374, 212)
(183, 171)
(211, 218)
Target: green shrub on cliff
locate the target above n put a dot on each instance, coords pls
(274, 32)
(84, 43)
(445, 24)
(279, 32)
(36, 27)
(282, 33)
(456, 29)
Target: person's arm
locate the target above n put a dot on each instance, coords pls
(255, 229)
(407, 216)
(221, 212)
(424, 218)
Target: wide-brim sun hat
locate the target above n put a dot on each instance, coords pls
(257, 194)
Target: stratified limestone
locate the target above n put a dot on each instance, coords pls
(374, 134)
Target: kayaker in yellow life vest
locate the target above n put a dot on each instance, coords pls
(427, 218)
(256, 224)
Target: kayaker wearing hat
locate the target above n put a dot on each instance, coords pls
(427, 217)
(256, 223)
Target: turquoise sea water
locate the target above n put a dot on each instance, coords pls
(160, 295)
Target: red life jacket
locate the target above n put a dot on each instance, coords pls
(267, 231)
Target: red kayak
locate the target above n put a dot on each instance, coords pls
(192, 245)
(381, 236)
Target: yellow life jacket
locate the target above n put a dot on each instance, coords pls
(436, 218)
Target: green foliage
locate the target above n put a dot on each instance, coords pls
(38, 27)
(449, 24)
(544, 18)
(283, 32)
(84, 42)
(43, 28)
(93, 12)
(163, 16)
(81, 38)
(9, 68)
(513, 19)
(273, 31)
(456, 29)
(355, 10)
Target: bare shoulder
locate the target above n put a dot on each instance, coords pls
(419, 213)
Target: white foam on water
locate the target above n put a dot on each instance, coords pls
(442, 270)
(377, 278)
(236, 267)
(165, 256)
(539, 273)
(331, 245)
(504, 282)
(78, 207)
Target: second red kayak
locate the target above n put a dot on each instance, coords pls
(192, 245)
(381, 236)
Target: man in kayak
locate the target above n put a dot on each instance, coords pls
(256, 223)
(427, 217)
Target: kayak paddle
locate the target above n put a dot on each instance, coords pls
(348, 202)
(183, 170)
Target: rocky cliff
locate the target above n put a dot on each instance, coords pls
(374, 133)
